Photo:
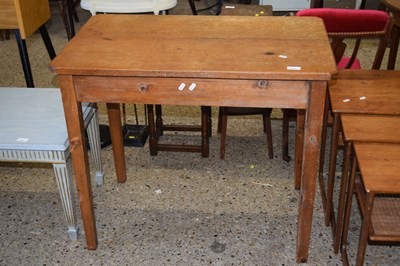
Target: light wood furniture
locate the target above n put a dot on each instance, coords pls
(26, 17)
(231, 76)
(372, 92)
(36, 132)
(378, 194)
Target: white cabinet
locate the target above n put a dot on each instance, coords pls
(287, 5)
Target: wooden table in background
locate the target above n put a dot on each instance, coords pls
(278, 62)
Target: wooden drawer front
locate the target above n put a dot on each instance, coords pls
(208, 92)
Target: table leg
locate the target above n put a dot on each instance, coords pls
(311, 153)
(80, 163)
(114, 118)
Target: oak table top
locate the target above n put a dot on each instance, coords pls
(282, 62)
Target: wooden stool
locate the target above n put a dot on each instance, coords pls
(378, 194)
(157, 128)
(246, 10)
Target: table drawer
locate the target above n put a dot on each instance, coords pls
(187, 91)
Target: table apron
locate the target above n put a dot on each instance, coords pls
(206, 92)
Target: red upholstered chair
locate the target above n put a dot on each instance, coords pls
(343, 24)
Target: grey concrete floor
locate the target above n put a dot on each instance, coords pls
(175, 208)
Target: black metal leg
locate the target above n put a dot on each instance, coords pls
(47, 41)
(23, 53)
(193, 7)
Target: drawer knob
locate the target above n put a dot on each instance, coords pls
(262, 84)
(143, 87)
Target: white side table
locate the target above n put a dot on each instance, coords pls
(33, 129)
(128, 6)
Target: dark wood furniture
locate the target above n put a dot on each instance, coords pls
(224, 112)
(157, 127)
(231, 76)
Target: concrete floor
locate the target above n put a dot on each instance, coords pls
(175, 208)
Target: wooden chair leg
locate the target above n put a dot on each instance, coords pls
(153, 137)
(224, 123)
(159, 121)
(268, 132)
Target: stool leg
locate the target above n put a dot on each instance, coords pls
(64, 176)
(23, 53)
(322, 154)
(94, 140)
(47, 41)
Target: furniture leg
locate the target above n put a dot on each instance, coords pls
(159, 121)
(204, 131)
(94, 140)
(299, 147)
(366, 221)
(285, 137)
(114, 118)
(311, 151)
(322, 156)
(224, 121)
(64, 178)
(394, 45)
(75, 125)
(337, 227)
(268, 131)
(47, 41)
(349, 199)
(23, 53)
(153, 137)
(71, 20)
(332, 168)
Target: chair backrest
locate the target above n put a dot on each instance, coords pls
(342, 24)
